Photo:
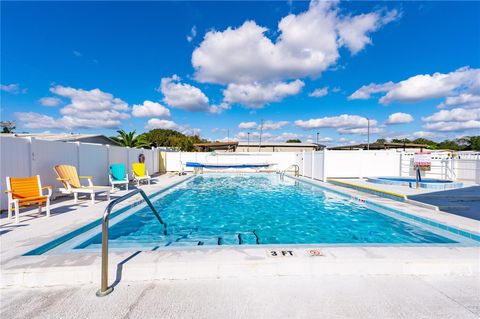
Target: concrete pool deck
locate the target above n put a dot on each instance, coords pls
(463, 201)
(219, 262)
(282, 297)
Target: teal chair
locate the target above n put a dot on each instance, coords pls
(118, 176)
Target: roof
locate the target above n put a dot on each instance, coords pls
(65, 137)
(216, 144)
(379, 146)
(278, 144)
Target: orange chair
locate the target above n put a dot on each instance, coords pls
(68, 175)
(26, 191)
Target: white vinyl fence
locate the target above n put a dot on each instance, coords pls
(464, 166)
(175, 161)
(21, 157)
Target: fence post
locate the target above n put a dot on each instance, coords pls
(78, 159)
(362, 158)
(31, 156)
(400, 167)
(303, 163)
(313, 165)
(324, 177)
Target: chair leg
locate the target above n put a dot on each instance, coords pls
(9, 210)
(17, 216)
(75, 198)
(92, 197)
(39, 208)
(126, 186)
(47, 207)
(108, 195)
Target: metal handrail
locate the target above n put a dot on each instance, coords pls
(104, 289)
(296, 172)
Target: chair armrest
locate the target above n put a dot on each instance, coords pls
(9, 191)
(63, 179)
(49, 193)
(86, 177)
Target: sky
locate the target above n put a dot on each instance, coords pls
(225, 69)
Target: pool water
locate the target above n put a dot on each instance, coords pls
(235, 209)
(411, 179)
(411, 182)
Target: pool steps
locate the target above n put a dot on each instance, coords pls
(181, 239)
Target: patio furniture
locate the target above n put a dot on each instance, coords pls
(140, 173)
(118, 176)
(26, 191)
(68, 175)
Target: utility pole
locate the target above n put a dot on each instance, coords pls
(318, 133)
(368, 134)
(248, 141)
(228, 134)
(261, 129)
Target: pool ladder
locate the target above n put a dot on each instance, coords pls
(104, 288)
(296, 172)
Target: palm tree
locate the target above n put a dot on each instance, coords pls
(128, 139)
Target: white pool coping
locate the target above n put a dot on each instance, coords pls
(222, 261)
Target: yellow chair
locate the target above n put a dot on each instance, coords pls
(24, 192)
(140, 173)
(68, 175)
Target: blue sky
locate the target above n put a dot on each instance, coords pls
(412, 68)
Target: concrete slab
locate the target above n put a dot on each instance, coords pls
(279, 297)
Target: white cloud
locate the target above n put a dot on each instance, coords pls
(163, 124)
(452, 126)
(424, 134)
(424, 86)
(50, 101)
(76, 53)
(247, 125)
(256, 95)
(458, 119)
(87, 109)
(10, 88)
(271, 125)
(464, 100)
(319, 92)
(267, 125)
(285, 136)
(193, 34)
(360, 130)
(366, 91)
(150, 109)
(219, 108)
(243, 136)
(13, 88)
(454, 115)
(171, 125)
(341, 121)
(308, 43)
(353, 31)
(399, 118)
(182, 95)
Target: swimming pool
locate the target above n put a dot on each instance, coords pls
(253, 209)
(411, 182)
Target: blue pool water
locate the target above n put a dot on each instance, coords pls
(259, 209)
(411, 179)
(411, 182)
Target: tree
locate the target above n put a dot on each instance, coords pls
(294, 140)
(128, 139)
(381, 141)
(7, 126)
(172, 138)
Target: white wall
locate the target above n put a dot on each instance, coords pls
(21, 157)
(281, 160)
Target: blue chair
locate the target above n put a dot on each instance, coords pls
(118, 176)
